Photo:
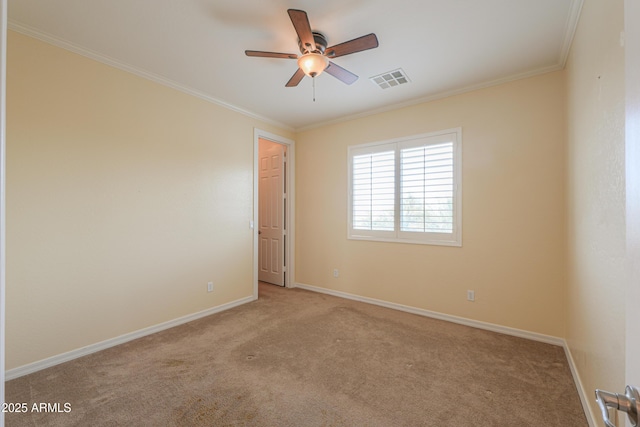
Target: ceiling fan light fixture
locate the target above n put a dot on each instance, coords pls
(313, 64)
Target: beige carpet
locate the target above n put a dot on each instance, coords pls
(298, 358)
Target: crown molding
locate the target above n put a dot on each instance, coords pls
(63, 44)
(436, 96)
(571, 27)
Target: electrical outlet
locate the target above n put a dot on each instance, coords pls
(210, 287)
(471, 296)
(336, 273)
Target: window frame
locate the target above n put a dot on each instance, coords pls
(397, 145)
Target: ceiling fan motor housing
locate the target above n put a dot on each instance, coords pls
(320, 41)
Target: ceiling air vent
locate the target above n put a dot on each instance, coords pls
(390, 79)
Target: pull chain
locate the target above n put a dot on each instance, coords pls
(313, 79)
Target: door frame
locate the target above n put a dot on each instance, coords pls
(289, 254)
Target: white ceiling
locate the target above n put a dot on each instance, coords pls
(444, 46)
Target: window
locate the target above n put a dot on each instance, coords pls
(407, 190)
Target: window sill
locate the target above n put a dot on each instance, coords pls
(431, 242)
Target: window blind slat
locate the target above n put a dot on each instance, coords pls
(426, 195)
(374, 191)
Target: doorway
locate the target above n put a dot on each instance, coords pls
(274, 210)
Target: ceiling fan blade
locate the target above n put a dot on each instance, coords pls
(262, 54)
(369, 41)
(301, 24)
(341, 74)
(295, 79)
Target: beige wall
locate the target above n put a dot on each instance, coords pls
(513, 245)
(124, 198)
(596, 197)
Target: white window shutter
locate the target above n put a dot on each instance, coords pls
(407, 190)
(426, 181)
(374, 191)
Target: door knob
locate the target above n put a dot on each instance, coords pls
(629, 402)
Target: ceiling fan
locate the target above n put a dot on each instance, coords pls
(315, 53)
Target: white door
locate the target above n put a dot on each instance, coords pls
(632, 179)
(632, 215)
(632, 153)
(271, 219)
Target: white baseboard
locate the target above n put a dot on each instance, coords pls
(83, 351)
(584, 397)
(441, 316)
(74, 354)
(476, 324)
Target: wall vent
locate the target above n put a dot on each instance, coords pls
(390, 79)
